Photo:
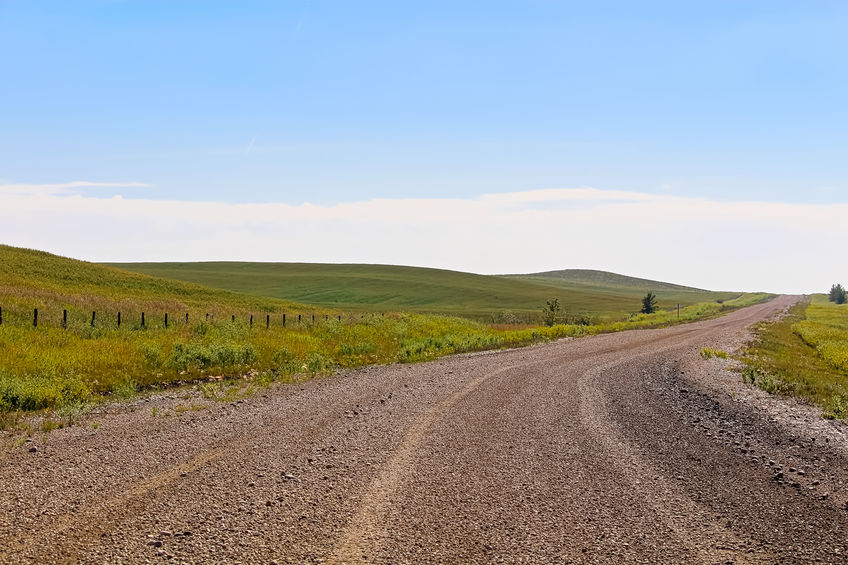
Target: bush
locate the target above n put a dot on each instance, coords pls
(42, 392)
(550, 312)
(198, 356)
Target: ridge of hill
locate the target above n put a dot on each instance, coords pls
(594, 277)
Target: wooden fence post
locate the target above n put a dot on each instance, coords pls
(119, 319)
(284, 320)
(93, 314)
(186, 317)
(35, 318)
(340, 317)
(64, 319)
(251, 321)
(166, 320)
(313, 319)
(298, 318)
(142, 319)
(234, 319)
(267, 321)
(1, 315)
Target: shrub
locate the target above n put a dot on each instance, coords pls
(550, 312)
(317, 363)
(198, 356)
(125, 389)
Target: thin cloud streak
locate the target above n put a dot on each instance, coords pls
(66, 188)
(721, 245)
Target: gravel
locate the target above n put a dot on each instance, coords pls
(621, 448)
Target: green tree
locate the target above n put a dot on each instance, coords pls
(649, 303)
(838, 294)
(550, 312)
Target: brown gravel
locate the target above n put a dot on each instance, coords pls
(621, 448)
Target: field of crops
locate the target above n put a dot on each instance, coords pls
(53, 364)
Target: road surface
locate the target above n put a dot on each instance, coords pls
(620, 448)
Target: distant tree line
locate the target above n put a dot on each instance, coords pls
(837, 294)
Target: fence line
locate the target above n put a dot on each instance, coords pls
(143, 322)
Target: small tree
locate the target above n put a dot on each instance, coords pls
(649, 303)
(838, 294)
(550, 312)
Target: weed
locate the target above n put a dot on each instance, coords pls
(125, 389)
(48, 425)
(154, 411)
(182, 408)
(708, 353)
(70, 413)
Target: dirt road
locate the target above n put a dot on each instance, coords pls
(621, 448)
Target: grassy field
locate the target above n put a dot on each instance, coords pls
(602, 296)
(805, 354)
(49, 366)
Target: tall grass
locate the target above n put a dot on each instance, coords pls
(826, 330)
(49, 366)
(804, 354)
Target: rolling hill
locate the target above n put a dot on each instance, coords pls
(389, 287)
(59, 362)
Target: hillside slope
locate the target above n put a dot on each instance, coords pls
(35, 279)
(389, 287)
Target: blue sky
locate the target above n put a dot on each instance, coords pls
(331, 102)
(489, 137)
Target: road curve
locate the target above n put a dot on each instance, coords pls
(620, 448)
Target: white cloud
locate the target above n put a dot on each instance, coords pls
(723, 245)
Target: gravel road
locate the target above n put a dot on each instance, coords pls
(620, 448)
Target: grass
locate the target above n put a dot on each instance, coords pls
(803, 355)
(708, 353)
(64, 369)
(514, 298)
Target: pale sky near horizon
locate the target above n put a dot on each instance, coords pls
(461, 135)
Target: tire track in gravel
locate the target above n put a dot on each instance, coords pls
(687, 521)
(358, 543)
(91, 522)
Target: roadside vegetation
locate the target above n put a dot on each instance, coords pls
(804, 354)
(49, 366)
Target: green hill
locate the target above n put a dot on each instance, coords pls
(595, 278)
(389, 287)
(34, 279)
